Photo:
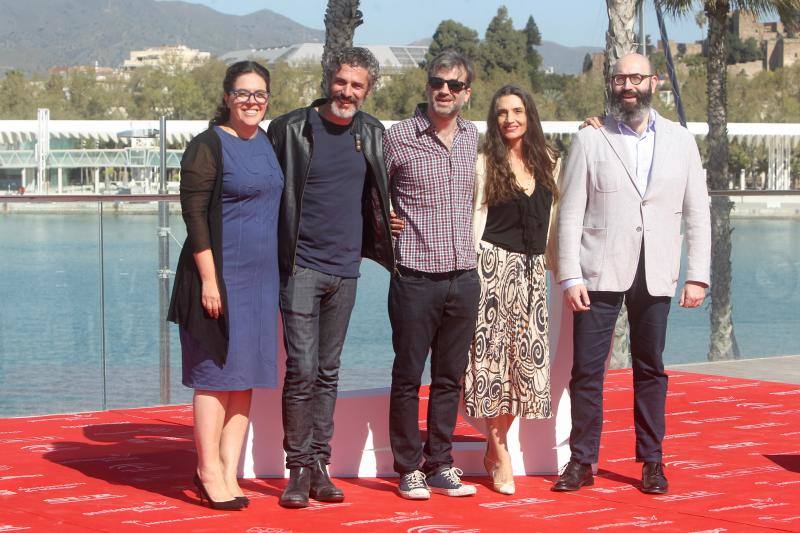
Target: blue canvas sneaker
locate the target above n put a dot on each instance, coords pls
(445, 480)
(413, 486)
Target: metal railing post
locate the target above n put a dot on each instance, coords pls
(163, 267)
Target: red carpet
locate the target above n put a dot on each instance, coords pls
(733, 461)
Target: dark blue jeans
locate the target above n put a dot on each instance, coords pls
(592, 334)
(316, 311)
(436, 313)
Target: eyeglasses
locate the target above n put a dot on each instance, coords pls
(636, 79)
(240, 96)
(455, 86)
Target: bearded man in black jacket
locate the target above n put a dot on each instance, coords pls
(334, 211)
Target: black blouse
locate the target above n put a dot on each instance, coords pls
(520, 224)
(201, 206)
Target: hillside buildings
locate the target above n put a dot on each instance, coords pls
(168, 57)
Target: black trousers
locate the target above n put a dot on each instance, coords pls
(436, 313)
(592, 335)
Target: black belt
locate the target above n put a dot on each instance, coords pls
(434, 276)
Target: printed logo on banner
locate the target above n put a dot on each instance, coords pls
(47, 448)
(174, 520)
(20, 440)
(566, 515)
(759, 405)
(781, 520)
(87, 498)
(44, 488)
(742, 472)
(514, 503)
(24, 476)
(639, 522)
(675, 436)
(785, 393)
(695, 495)
(140, 467)
(735, 445)
(778, 483)
(613, 490)
(762, 425)
(9, 527)
(67, 418)
(691, 465)
(710, 420)
(718, 399)
(441, 529)
(317, 506)
(736, 386)
(398, 518)
(146, 507)
(755, 503)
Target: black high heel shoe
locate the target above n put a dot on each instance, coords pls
(244, 500)
(231, 505)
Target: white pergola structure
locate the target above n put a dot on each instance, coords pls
(779, 139)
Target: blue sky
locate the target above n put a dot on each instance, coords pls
(568, 22)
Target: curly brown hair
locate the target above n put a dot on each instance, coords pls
(539, 155)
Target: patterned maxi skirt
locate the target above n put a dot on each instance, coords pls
(509, 364)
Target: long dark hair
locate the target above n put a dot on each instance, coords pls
(223, 113)
(538, 155)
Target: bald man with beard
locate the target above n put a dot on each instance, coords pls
(628, 188)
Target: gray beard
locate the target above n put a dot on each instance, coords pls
(343, 113)
(636, 114)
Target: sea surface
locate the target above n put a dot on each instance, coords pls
(59, 351)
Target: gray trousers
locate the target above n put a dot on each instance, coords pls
(316, 311)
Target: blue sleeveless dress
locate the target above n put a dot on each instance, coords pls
(252, 183)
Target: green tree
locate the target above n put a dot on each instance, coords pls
(504, 48)
(452, 35)
(18, 97)
(533, 38)
(723, 340)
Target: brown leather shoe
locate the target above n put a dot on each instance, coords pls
(574, 476)
(653, 479)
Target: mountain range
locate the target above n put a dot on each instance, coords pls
(36, 35)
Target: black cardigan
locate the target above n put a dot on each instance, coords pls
(201, 205)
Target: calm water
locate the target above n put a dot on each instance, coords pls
(51, 325)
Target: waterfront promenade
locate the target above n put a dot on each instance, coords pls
(732, 456)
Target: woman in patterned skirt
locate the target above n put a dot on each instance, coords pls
(509, 371)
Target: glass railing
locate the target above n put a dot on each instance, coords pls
(80, 325)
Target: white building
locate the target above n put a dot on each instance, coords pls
(169, 57)
(392, 59)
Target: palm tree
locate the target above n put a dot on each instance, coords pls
(723, 341)
(342, 17)
(620, 41)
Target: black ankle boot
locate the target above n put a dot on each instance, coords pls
(322, 489)
(295, 495)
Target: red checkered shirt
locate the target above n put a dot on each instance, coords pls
(431, 189)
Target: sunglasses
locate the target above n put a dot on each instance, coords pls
(455, 86)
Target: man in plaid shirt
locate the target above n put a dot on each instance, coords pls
(433, 295)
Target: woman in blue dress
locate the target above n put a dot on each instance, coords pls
(225, 297)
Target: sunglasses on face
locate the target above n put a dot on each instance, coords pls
(455, 86)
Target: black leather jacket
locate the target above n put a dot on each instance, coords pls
(293, 141)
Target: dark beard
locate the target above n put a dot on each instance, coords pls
(634, 114)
